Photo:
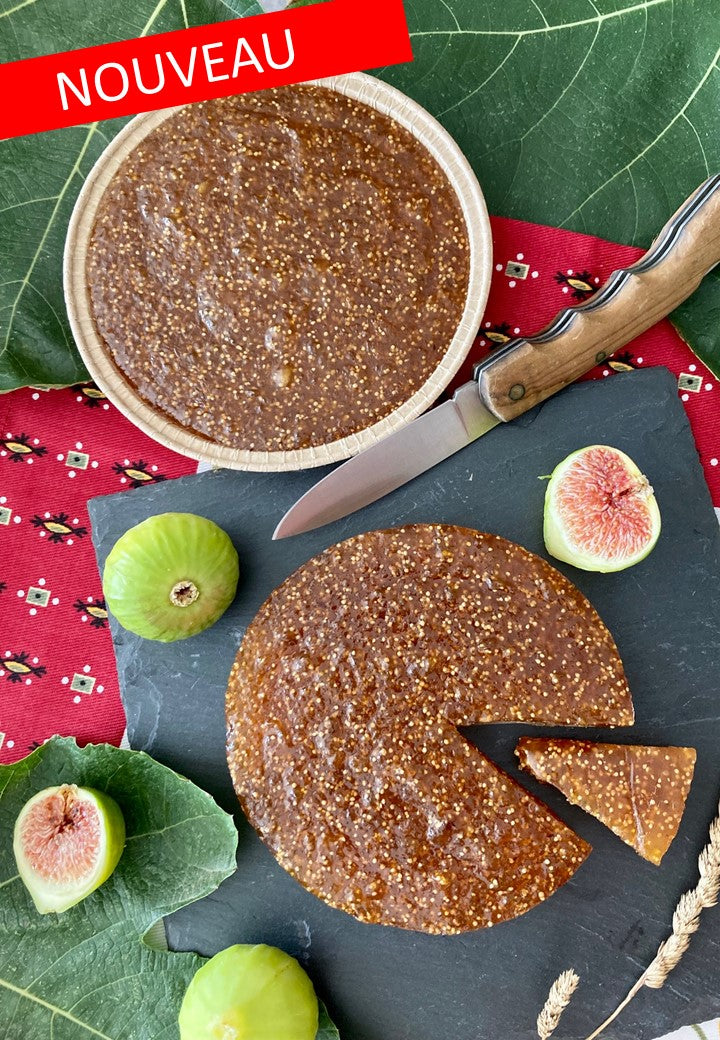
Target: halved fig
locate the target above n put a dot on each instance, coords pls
(600, 511)
(171, 576)
(67, 842)
(249, 993)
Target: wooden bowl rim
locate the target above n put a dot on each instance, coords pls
(97, 358)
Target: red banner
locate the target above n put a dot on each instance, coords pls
(234, 57)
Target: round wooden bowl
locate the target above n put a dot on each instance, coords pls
(99, 361)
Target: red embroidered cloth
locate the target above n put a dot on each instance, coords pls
(60, 448)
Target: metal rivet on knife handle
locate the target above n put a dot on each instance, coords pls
(631, 300)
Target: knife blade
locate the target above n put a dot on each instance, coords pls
(376, 471)
(525, 372)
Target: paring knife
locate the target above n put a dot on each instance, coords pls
(525, 372)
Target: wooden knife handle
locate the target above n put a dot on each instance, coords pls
(528, 371)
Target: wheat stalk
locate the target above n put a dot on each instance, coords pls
(558, 999)
(686, 920)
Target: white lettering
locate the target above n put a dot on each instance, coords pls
(123, 78)
(83, 95)
(251, 59)
(160, 76)
(186, 80)
(244, 57)
(209, 62)
(290, 50)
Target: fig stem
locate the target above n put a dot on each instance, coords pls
(183, 593)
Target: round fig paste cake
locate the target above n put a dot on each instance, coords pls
(343, 706)
(279, 270)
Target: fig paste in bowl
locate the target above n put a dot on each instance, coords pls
(274, 273)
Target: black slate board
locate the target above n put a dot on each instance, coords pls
(385, 984)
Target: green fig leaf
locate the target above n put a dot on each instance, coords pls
(327, 1030)
(593, 115)
(42, 175)
(87, 973)
(597, 116)
(102, 969)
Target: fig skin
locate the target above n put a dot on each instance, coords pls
(50, 896)
(249, 993)
(171, 576)
(558, 540)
